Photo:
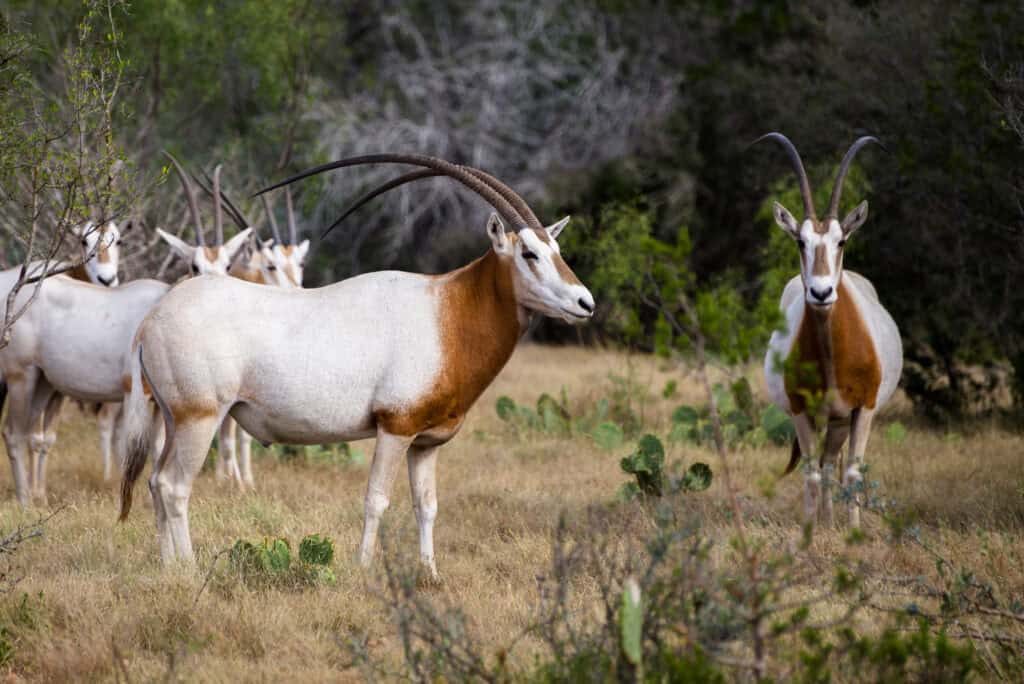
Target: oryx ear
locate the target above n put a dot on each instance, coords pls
(232, 246)
(855, 219)
(555, 228)
(499, 238)
(784, 219)
(178, 246)
(301, 250)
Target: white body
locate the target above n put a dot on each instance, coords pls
(70, 342)
(394, 355)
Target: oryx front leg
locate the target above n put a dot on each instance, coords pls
(388, 454)
(17, 428)
(811, 468)
(245, 457)
(171, 483)
(49, 404)
(423, 484)
(860, 428)
(835, 437)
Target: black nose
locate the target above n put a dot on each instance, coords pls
(105, 281)
(823, 295)
(585, 305)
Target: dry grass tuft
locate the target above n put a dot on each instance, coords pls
(94, 603)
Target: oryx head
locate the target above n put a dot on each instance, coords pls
(820, 242)
(281, 263)
(100, 246)
(205, 259)
(543, 282)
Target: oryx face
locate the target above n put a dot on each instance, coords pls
(543, 281)
(821, 246)
(282, 265)
(101, 250)
(207, 260)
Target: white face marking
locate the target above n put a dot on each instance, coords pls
(821, 262)
(101, 250)
(544, 282)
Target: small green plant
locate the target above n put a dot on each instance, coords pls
(647, 465)
(270, 562)
(895, 433)
(631, 625)
(269, 557)
(744, 423)
(316, 550)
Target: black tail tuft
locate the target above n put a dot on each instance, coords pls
(134, 464)
(794, 457)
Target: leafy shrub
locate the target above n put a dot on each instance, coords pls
(646, 464)
(270, 562)
(552, 417)
(744, 423)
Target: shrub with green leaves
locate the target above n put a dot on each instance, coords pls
(270, 562)
(744, 421)
(646, 465)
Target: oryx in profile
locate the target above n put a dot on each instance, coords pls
(840, 357)
(395, 355)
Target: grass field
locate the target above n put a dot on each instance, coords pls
(93, 603)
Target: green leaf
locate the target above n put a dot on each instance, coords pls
(778, 425)
(506, 408)
(698, 477)
(316, 550)
(631, 622)
(685, 415)
(608, 436)
(669, 390)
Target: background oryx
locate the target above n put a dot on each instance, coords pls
(271, 262)
(841, 349)
(399, 356)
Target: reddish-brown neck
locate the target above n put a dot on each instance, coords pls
(79, 273)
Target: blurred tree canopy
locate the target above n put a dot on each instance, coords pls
(633, 117)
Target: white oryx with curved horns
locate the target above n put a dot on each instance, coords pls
(70, 342)
(399, 356)
(840, 344)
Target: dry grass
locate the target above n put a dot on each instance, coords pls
(94, 603)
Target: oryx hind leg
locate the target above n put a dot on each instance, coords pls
(106, 419)
(49, 404)
(227, 462)
(171, 482)
(245, 457)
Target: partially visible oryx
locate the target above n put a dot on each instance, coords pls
(71, 342)
(395, 355)
(272, 262)
(840, 357)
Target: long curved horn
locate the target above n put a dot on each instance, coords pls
(273, 221)
(480, 187)
(798, 166)
(218, 218)
(190, 194)
(292, 232)
(844, 167)
(391, 184)
(509, 194)
(232, 210)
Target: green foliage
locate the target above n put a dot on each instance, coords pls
(646, 464)
(744, 421)
(895, 433)
(270, 562)
(343, 454)
(631, 625)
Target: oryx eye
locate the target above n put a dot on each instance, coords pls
(842, 242)
(118, 243)
(529, 255)
(271, 267)
(800, 244)
(195, 269)
(85, 243)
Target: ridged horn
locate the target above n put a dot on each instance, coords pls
(844, 167)
(232, 210)
(390, 185)
(218, 217)
(293, 233)
(798, 166)
(273, 221)
(190, 195)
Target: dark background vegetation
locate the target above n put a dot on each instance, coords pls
(622, 114)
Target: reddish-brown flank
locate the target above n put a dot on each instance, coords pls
(479, 329)
(858, 371)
